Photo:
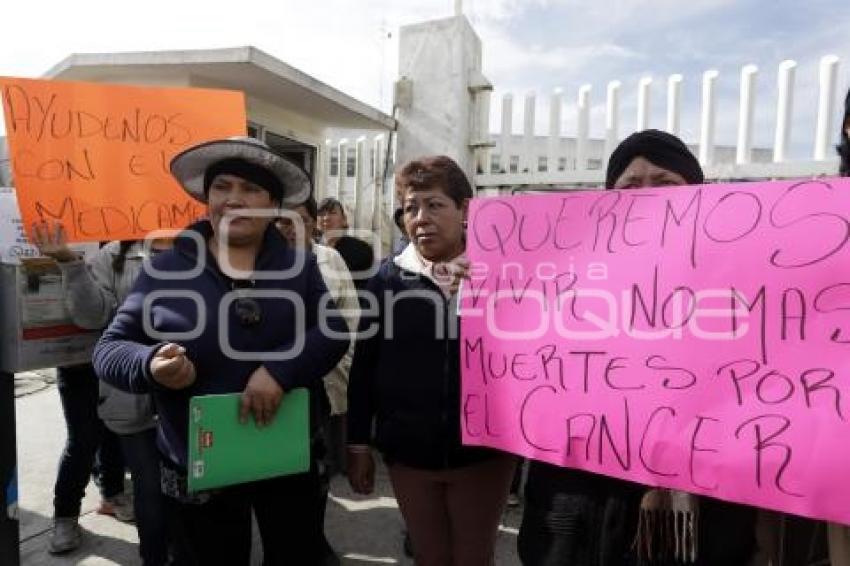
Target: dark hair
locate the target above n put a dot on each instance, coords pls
(398, 218)
(310, 206)
(329, 204)
(119, 260)
(844, 147)
(434, 172)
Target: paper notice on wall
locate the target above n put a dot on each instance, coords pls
(41, 298)
(14, 244)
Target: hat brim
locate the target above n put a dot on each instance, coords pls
(190, 166)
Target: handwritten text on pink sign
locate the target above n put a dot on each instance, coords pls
(696, 338)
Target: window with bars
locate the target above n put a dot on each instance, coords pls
(495, 158)
(514, 166)
(562, 164)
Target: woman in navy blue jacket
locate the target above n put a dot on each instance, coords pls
(406, 378)
(199, 321)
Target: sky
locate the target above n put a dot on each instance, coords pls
(528, 45)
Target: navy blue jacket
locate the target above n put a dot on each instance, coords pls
(405, 377)
(122, 356)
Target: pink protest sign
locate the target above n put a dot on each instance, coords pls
(696, 338)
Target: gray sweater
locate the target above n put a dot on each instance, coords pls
(93, 292)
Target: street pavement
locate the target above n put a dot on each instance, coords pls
(363, 530)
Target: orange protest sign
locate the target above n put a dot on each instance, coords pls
(95, 156)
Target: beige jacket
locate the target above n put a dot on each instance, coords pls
(341, 288)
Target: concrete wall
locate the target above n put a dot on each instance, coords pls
(439, 58)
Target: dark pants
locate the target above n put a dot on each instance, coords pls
(215, 532)
(288, 511)
(78, 392)
(576, 518)
(516, 483)
(142, 457)
(453, 514)
(582, 519)
(329, 441)
(219, 531)
(109, 463)
(9, 525)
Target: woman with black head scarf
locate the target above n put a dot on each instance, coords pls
(844, 146)
(839, 535)
(577, 518)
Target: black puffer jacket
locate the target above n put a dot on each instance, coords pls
(406, 377)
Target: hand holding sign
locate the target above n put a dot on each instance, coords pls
(52, 241)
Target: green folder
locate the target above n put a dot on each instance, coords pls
(222, 451)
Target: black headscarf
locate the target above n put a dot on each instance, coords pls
(661, 149)
(252, 172)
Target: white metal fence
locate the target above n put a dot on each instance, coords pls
(355, 169)
(562, 161)
(355, 175)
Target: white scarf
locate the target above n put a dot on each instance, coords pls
(441, 273)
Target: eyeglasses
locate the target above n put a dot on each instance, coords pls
(247, 309)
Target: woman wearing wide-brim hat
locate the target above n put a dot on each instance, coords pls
(218, 261)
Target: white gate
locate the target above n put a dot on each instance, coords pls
(568, 162)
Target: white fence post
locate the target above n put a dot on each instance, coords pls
(612, 119)
(554, 130)
(784, 109)
(342, 148)
(376, 221)
(526, 159)
(583, 126)
(707, 118)
(321, 188)
(507, 131)
(827, 78)
(745, 114)
(359, 174)
(644, 103)
(674, 103)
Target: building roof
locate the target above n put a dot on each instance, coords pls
(238, 68)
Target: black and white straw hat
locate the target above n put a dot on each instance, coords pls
(190, 166)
